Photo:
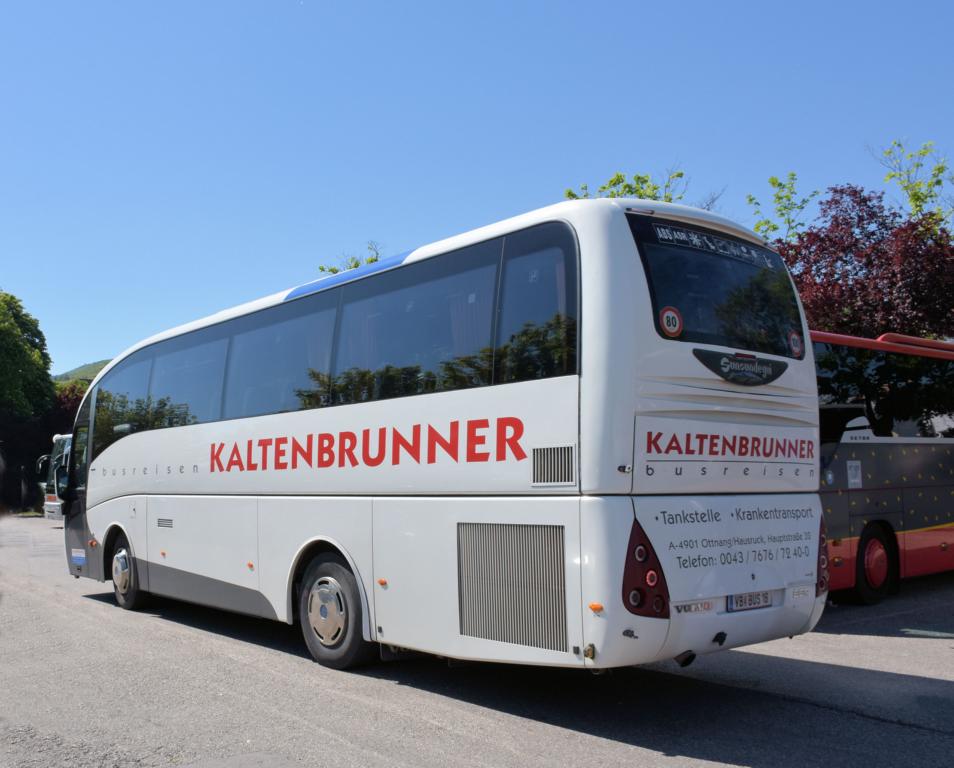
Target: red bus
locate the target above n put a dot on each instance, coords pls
(886, 413)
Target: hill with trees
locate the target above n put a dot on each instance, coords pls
(87, 371)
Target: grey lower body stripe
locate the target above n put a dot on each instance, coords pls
(203, 590)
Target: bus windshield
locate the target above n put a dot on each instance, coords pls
(711, 288)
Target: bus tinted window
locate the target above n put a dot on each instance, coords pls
(536, 326)
(80, 466)
(717, 289)
(899, 395)
(122, 403)
(279, 359)
(187, 379)
(423, 328)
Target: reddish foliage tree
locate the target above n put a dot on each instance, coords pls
(69, 395)
(865, 269)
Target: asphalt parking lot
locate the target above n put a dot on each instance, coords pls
(84, 683)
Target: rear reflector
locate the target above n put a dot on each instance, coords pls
(821, 585)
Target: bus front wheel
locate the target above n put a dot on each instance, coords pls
(876, 565)
(329, 611)
(126, 588)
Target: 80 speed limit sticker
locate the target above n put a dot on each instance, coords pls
(670, 321)
(795, 344)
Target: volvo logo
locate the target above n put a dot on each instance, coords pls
(747, 370)
(702, 606)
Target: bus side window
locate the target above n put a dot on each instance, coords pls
(186, 386)
(537, 314)
(280, 357)
(80, 467)
(426, 327)
(76, 459)
(122, 405)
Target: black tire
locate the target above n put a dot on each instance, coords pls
(125, 576)
(334, 636)
(876, 547)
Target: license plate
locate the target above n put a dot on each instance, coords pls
(747, 601)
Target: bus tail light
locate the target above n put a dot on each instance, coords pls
(821, 586)
(644, 584)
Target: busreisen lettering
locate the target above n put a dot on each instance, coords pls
(471, 441)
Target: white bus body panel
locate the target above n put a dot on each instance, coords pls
(618, 637)
(128, 514)
(217, 522)
(213, 537)
(288, 525)
(415, 552)
(179, 460)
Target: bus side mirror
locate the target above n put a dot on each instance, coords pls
(42, 464)
(61, 482)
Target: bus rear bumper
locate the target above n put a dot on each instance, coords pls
(702, 633)
(707, 629)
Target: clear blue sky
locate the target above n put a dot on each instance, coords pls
(161, 161)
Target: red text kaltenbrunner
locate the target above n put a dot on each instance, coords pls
(469, 441)
(714, 445)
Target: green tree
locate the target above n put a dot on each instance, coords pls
(26, 398)
(922, 175)
(352, 261)
(26, 389)
(788, 207)
(671, 189)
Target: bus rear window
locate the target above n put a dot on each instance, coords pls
(711, 288)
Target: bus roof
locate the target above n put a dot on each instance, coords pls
(891, 342)
(570, 210)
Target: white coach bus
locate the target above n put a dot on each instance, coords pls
(585, 436)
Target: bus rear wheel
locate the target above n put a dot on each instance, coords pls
(329, 611)
(876, 566)
(126, 588)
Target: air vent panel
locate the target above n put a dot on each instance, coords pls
(512, 583)
(554, 466)
(164, 522)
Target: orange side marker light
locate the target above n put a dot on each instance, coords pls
(382, 582)
(596, 607)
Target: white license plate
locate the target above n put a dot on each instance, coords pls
(747, 601)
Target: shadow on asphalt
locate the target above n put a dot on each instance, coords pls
(247, 629)
(924, 607)
(672, 714)
(691, 717)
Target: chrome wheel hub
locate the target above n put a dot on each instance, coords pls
(121, 568)
(327, 611)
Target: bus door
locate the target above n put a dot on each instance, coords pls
(79, 554)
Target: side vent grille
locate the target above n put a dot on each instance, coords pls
(511, 582)
(554, 466)
(164, 522)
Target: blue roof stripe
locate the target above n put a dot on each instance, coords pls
(346, 276)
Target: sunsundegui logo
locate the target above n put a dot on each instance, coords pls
(748, 370)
